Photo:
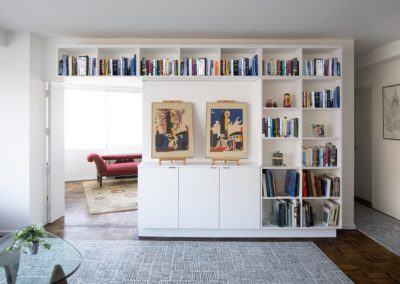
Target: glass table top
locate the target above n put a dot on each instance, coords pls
(39, 268)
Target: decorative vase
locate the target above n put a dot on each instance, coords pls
(33, 249)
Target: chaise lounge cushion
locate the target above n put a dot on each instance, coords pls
(130, 168)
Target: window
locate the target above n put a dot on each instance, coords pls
(102, 119)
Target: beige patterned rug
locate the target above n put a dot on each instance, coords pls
(115, 195)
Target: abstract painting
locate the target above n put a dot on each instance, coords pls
(172, 133)
(226, 130)
(391, 112)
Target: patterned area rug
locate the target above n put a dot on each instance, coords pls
(115, 195)
(379, 227)
(204, 262)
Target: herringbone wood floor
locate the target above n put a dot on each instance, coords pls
(361, 258)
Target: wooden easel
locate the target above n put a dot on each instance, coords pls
(225, 160)
(172, 159)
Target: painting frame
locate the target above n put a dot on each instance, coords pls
(391, 112)
(215, 149)
(161, 131)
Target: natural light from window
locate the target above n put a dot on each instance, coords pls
(102, 119)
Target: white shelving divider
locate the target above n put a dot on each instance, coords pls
(266, 87)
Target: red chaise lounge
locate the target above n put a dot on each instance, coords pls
(123, 165)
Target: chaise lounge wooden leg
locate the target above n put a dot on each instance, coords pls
(101, 181)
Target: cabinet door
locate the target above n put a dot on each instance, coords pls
(199, 198)
(158, 197)
(240, 198)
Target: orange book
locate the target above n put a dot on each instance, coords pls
(216, 69)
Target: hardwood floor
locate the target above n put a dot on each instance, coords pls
(361, 258)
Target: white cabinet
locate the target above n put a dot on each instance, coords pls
(158, 197)
(199, 198)
(240, 190)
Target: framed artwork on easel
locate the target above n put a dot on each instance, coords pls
(172, 132)
(226, 130)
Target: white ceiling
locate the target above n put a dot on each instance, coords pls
(371, 23)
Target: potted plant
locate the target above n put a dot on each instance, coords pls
(30, 237)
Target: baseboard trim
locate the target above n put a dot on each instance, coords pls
(363, 201)
(349, 227)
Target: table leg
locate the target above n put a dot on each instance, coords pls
(10, 262)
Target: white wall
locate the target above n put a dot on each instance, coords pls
(382, 69)
(22, 172)
(198, 93)
(37, 119)
(15, 132)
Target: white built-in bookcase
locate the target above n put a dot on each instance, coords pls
(262, 88)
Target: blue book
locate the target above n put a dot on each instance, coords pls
(336, 97)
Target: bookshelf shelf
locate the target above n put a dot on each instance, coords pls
(322, 138)
(320, 198)
(321, 168)
(256, 89)
(290, 167)
(281, 138)
(281, 108)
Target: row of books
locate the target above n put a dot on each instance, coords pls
(199, 67)
(321, 67)
(330, 213)
(270, 184)
(320, 156)
(77, 65)
(240, 67)
(159, 67)
(281, 67)
(286, 212)
(280, 127)
(319, 186)
(118, 67)
(322, 99)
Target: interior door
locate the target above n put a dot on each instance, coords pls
(56, 182)
(363, 143)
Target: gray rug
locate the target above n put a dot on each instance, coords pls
(202, 262)
(379, 227)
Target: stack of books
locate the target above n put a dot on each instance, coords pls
(281, 67)
(322, 99)
(162, 67)
(82, 65)
(320, 186)
(320, 156)
(118, 67)
(330, 213)
(321, 67)
(307, 213)
(240, 67)
(280, 127)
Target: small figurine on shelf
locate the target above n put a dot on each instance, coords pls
(318, 130)
(277, 159)
(275, 104)
(286, 100)
(269, 103)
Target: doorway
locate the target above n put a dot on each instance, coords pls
(363, 145)
(86, 118)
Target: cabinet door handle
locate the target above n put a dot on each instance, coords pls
(227, 168)
(172, 167)
(213, 168)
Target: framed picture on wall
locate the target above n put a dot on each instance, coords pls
(391, 112)
(226, 130)
(172, 131)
